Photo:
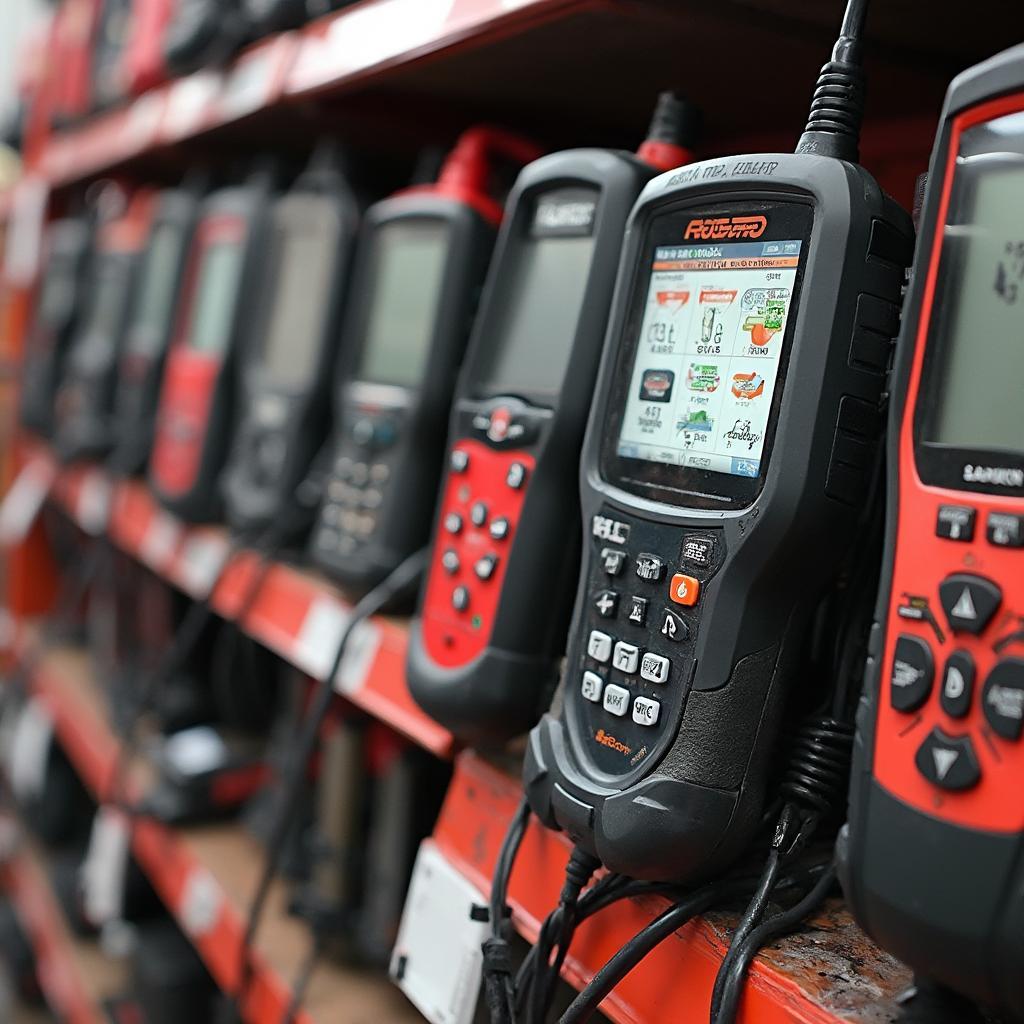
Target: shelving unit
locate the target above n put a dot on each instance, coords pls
(390, 75)
(74, 975)
(206, 876)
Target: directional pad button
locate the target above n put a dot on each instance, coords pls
(948, 762)
(969, 602)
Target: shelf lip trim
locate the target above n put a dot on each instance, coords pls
(151, 535)
(58, 971)
(167, 860)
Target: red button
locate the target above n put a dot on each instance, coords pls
(684, 589)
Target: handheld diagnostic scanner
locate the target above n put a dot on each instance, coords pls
(85, 397)
(733, 437)
(203, 33)
(935, 798)
(491, 626)
(289, 351)
(265, 16)
(58, 306)
(113, 29)
(143, 65)
(196, 408)
(420, 263)
(150, 324)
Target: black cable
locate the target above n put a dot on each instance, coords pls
(497, 961)
(781, 924)
(837, 107)
(585, 1005)
(557, 937)
(303, 977)
(401, 580)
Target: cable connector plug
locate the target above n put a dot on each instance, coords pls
(837, 107)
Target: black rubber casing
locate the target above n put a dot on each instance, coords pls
(85, 398)
(282, 427)
(145, 349)
(692, 794)
(502, 691)
(414, 417)
(947, 900)
(51, 330)
(203, 502)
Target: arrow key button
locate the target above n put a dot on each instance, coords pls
(957, 684)
(969, 602)
(948, 762)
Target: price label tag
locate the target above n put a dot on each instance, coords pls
(189, 102)
(29, 753)
(143, 122)
(23, 250)
(94, 503)
(105, 867)
(248, 86)
(24, 499)
(160, 540)
(363, 645)
(377, 32)
(442, 979)
(317, 642)
(202, 560)
(201, 902)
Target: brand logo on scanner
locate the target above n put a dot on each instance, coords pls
(714, 229)
(607, 740)
(999, 475)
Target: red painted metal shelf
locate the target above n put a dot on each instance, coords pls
(296, 614)
(205, 876)
(73, 974)
(830, 972)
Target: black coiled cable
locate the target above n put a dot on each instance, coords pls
(818, 772)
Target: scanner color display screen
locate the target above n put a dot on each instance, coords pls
(157, 288)
(213, 305)
(707, 360)
(301, 292)
(978, 321)
(409, 259)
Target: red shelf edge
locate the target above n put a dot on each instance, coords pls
(680, 973)
(41, 918)
(143, 530)
(168, 862)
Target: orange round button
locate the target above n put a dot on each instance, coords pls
(684, 589)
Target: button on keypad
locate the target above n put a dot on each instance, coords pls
(478, 514)
(606, 603)
(599, 646)
(613, 561)
(591, 686)
(626, 657)
(616, 699)
(453, 523)
(499, 528)
(955, 522)
(485, 567)
(460, 599)
(912, 673)
(646, 711)
(654, 668)
(516, 475)
(650, 567)
(637, 610)
(684, 589)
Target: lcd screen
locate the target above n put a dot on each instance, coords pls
(301, 292)
(707, 360)
(157, 287)
(978, 323)
(407, 272)
(109, 294)
(540, 305)
(216, 295)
